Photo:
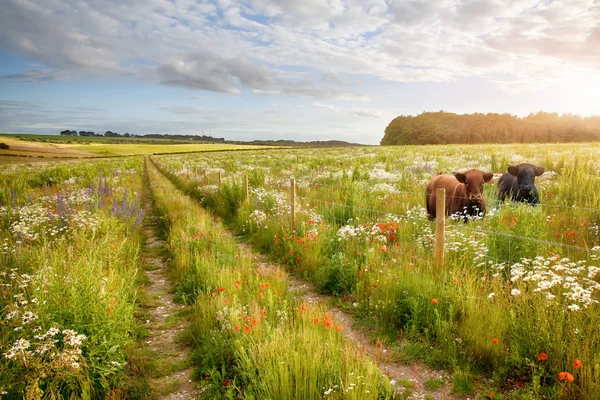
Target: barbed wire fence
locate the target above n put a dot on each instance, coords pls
(216, 178)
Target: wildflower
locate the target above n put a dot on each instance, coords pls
(515, 292)
(577, 363)
(565, 376)
(340, 328)
(225, 383)
(316, 320)
(261, 296)
(434, 301)
(375, 285)
(495, 340)
(247, 329)
(542, 356)
(221, 289)
(206, 378)
(236, 328)
(214, 294)
(491, 295)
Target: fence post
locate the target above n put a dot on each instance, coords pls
(293, 202)
(440, 227)
(219, 179)
(245, 188)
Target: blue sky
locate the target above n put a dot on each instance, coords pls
(288, 69)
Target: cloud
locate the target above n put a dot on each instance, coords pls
(364, 112)
(368, 112)
(326, 106)
(39, 75)
(210, 71)
(311, 48)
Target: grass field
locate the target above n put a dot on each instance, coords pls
(514, 314)
(56, 147)
(518, 298)
(146, 149)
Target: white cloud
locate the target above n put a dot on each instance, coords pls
(248, 43)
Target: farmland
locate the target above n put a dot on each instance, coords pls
(513, 313)
(23, 147)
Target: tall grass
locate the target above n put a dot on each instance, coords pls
(250, 338)
(515, 285)
(69, 266)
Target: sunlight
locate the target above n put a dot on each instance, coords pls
(583, 93)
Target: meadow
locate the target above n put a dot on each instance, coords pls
(49, 147)
(513, 314)
(518, 298)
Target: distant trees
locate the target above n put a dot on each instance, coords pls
(443, 128)
(112, 134)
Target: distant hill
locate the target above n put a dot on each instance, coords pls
(444, 128)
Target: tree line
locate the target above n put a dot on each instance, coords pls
(445, 128)
(202, 138)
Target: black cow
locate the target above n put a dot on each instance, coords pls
(518, 183)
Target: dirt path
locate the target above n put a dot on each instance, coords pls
(173, 376)
(408, 380)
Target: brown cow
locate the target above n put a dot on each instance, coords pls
(464, 192)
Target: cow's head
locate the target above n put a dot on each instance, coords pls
(474, 180)
(525, 174)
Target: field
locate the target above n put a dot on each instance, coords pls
(56, 147)
(513, 314)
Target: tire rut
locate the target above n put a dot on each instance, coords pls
(165, 322)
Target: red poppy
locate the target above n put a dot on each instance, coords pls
(542, 356)
(565, 376)
(247, 329)
(495, 340)
(577, 363)
(434, 301)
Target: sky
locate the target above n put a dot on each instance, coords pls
(289, 69)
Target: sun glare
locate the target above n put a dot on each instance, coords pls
(583, 93)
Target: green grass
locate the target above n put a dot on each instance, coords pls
(118, 149)
(243, 318)
(481, 321)
(434, 384)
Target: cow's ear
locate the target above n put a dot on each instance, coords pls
(513, 170)
(460, 177)
(487, 176)
(539, 171)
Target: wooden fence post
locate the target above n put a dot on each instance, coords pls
(246, 188)
(219, 179)
(440, 227)
(293, 202)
